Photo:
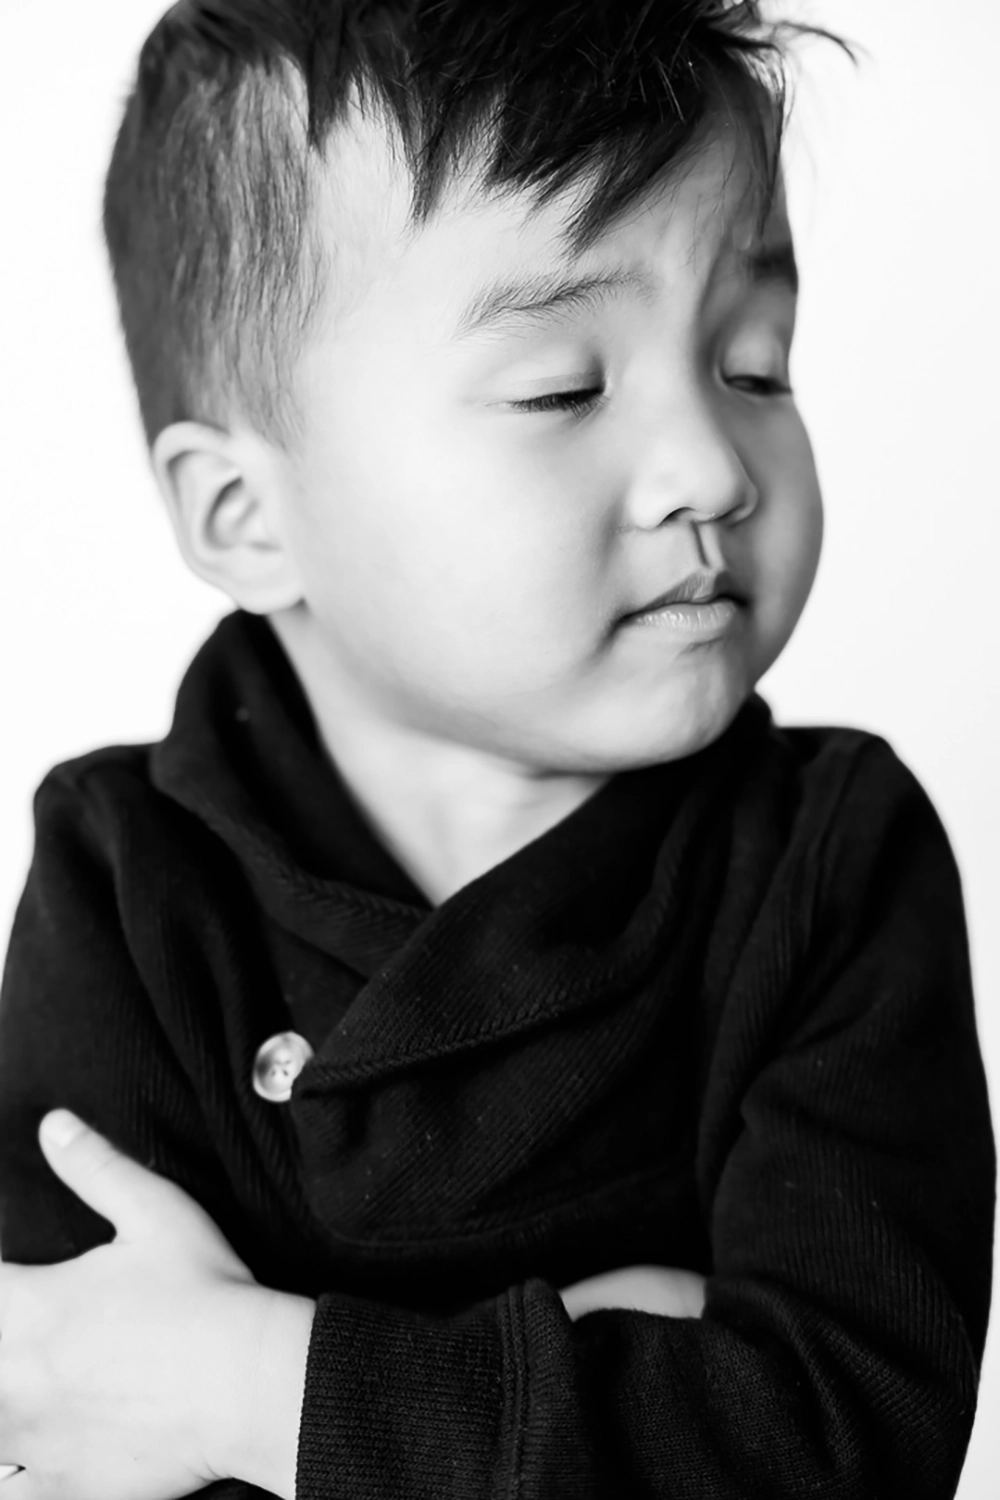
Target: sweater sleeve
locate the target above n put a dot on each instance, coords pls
(77, 1029)
(72, 1013)
(851, 1229)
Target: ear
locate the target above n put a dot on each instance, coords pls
(224, 496)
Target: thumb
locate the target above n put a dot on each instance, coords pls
(135, 1200)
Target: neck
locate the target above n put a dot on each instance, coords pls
(446, 811)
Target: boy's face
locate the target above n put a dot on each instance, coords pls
(478, 503)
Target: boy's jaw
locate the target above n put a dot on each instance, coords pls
(474, 573)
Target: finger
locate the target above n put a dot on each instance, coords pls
(135, 1200)
(664, 1290)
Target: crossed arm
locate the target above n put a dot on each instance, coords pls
(849, 1222)
(156, 1364)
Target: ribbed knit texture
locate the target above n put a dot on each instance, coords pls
(719, 1017)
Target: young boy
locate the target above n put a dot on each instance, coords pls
(475, 937)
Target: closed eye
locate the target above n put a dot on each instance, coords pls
(759, 385)
(577, 403)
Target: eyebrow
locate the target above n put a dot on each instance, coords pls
(537, 296)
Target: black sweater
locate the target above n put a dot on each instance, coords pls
(719, 1017)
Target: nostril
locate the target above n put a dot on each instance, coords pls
(739, 510)
(690, 481)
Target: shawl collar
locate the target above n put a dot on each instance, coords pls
(508, 1010)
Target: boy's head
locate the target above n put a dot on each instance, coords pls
(461, 332)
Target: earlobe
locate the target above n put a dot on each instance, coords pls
(223, 493)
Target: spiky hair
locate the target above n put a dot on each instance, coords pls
(207, 215)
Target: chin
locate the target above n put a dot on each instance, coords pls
(688, 736)
(632, 735)
(688, 717)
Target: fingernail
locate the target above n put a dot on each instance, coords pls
(61, 1127)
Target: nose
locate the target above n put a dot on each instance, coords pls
(688, 470)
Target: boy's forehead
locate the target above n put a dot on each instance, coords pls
(480, 247)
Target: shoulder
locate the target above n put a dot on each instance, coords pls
(87, 778)
(118, 868)
(847, 833)
(869, 862)
(847, 785)
(86, 791)
(104, 807)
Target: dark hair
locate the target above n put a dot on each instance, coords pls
(207, 204)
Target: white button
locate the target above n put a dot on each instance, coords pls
(277, 1065)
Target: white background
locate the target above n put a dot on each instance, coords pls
(893, 197)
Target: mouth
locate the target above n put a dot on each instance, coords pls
(698, 588)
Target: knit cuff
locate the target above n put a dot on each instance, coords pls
(402, 1404)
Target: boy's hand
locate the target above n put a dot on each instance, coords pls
(655, 1289)
(128, 1373)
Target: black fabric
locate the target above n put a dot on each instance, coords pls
(719, 1017)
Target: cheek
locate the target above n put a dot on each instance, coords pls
(789, 535)
(792, 513)
(446, 568)
(427, 513)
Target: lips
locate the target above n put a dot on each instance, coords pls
(698, 588)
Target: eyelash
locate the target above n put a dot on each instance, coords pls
(760, 385)
(579, 403)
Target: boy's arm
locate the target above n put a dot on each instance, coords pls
(80, 1030)
(75, 1015)
(839, 1350)
(157, 1363)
